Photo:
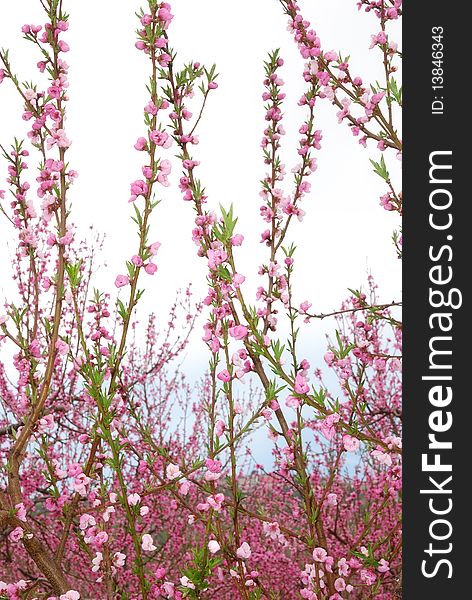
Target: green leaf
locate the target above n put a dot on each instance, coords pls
(381, 169)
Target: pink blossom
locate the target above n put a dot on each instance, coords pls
(293, 402)
(161, 138)
(340, 584)
(328, 425)
(63, 46)
(238, 279)
(20, 511)
(62, 347)
(147, 543)
(213, 469)
(138, 188)
(332, 499)
(216, 501)
(185, 581)
(220, 428)
(30, 94)
(383, 457)
(351, 444)
(150, 268)
(305, 307)
(244, 551)
(80, 484)
(239, 332)
(165, 166)
(148, 172)
(164, 15)
(368, 577)
(119, 559)
(319, 554)
(329, 358)
(343, 567)
(377, 98)
(16, 535)
(153, 248)
(141, 144)
(70, 595)
(45, 423)
(121, 281)
(86, 521)
(172, 471)
(224, 375)
(164, 59)
(330, 56)
(161, 42)
(101, 538)
(301, 385)
(184, 488)
(237, 239)
(134, 499)
(213, 546)
(35, 349)
(384, 566)
(96, 561)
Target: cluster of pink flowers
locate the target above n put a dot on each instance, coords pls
(367, 107)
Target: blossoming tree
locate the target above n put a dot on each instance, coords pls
(118, 479)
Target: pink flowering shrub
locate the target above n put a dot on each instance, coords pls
(119, 478)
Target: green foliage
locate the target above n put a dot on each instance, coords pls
(198, 572)
(380, 168)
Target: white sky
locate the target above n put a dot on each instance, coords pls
(345, 231)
